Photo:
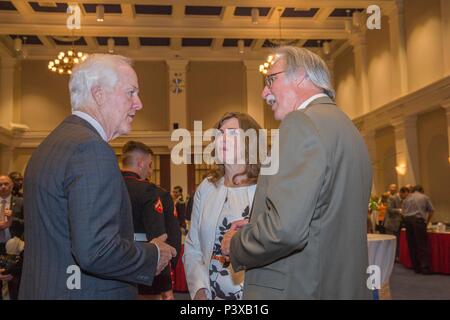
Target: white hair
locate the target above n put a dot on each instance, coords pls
(97, 69)
(305, 60)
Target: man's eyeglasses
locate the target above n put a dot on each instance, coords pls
(271, 78)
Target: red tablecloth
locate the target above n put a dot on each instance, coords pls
(439, 244)
(180, 284)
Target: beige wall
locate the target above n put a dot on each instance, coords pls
(346, 85)
(154, 93)
(379, 65)
(45, 96)
(384, 166)
(21, 157)
(424, 42)
(214, 88)
(433, 157)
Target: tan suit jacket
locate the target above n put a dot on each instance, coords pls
(307, 235)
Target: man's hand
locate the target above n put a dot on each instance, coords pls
(6, 277)
(8, 220)
(166, 252)
(8, 213)
(226, 241)
(201, 295)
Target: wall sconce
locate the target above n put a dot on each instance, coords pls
(100, 10)
(401, 169)
(255, 15)
(17, 44)
(357, 19)
(177, 85)
(111, 44)
(326, 48)
(241, 46)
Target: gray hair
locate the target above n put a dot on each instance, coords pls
(97, 69)
(305, 60)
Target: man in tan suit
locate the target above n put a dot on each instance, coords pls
(307, 234)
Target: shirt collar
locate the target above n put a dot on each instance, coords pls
(311, 99)
(93, 122)
(8, 199)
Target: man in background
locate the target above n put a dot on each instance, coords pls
(180, 206)
(17, 179)
(149, 212)
(418, 211)
(393, 218)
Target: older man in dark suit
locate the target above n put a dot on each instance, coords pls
(307, 234)
(78, 220)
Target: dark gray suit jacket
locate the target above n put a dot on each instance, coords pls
(16, 228)
(78, 213)
(393, 217)
(307, 234)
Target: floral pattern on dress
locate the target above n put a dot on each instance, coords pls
(218, 270)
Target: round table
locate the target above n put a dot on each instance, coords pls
(381, 250)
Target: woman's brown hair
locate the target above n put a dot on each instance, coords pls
(251, 170)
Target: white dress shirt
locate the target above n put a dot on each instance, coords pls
(311, 99)
(92, 122)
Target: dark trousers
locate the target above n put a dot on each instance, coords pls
(416, 235)
(14, 284)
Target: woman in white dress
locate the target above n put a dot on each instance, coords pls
(223, 197)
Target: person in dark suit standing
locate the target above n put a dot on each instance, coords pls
(11, 213)
(17, 179)
(11, 227)
(150, 212)
(307, 238)
(78, 216)
(180, 206)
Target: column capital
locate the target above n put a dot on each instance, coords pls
(177, 65)
(395, 9)
(401, 121)
(358, 39)
(446, 104)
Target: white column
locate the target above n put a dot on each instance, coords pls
(398, 48)
(445, 31)
(446, 106)
(178, 114)
(369, 138)
(358, 41)
(407, 151)
(255, 105)
(7, 68)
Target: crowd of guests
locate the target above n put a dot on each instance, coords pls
(407, 208)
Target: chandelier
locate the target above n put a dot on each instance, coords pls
(66, 61)
(263, 68)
